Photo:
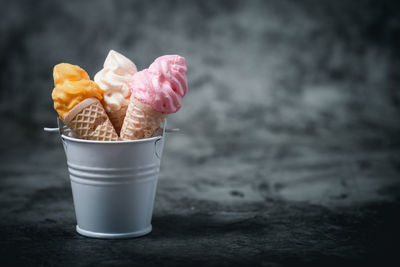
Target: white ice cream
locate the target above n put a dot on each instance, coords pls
(115, 79)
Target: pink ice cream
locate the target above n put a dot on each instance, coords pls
(163, 84)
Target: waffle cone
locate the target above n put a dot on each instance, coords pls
(141, 121)
(89, 121)
(117, 118)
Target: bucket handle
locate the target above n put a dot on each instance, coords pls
(56, 130)
(61, 128)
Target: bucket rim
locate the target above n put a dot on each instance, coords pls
(77, 140)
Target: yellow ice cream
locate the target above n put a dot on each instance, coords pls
(72, 85)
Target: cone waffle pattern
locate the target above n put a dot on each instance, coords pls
(117, 118)
(141, 121)
(89, 121)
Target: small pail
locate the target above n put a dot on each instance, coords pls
(113, 184)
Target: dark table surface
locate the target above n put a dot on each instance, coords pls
(281, 208)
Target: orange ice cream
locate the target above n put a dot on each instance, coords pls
(72, 85)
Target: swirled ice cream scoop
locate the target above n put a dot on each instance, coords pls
(115, 79)
(72, 85)
(163, 84)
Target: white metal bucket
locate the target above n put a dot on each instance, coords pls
(113, 184)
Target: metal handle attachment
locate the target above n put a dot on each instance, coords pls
(51, 130)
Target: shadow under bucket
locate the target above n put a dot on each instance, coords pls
(113, 184)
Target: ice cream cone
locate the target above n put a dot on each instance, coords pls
(156, 92)
(114, 79)
(89, 120)
(141, 121)
(117, 118)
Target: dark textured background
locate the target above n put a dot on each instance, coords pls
(289, 150)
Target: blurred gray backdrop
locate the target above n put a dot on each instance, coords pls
(287, 99)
